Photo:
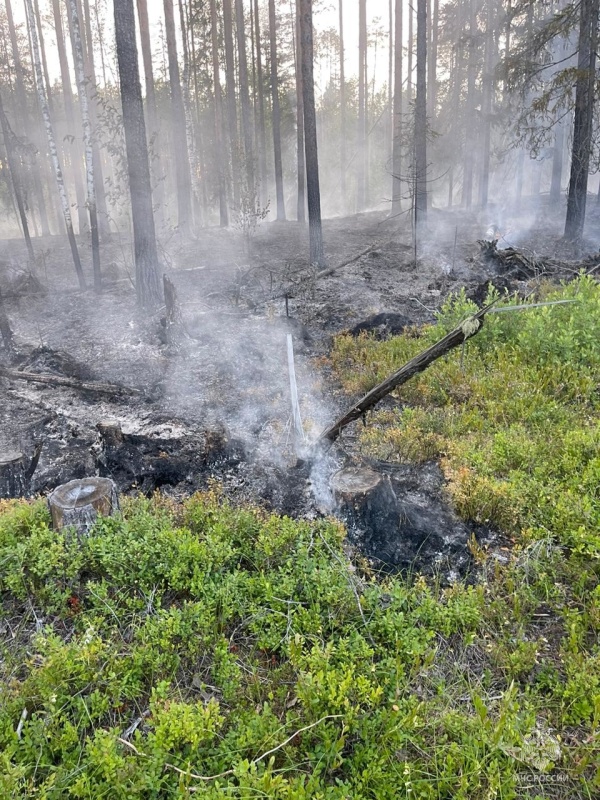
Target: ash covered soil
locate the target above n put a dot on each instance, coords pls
(215, 403)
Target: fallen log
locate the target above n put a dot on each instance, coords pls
(72, 383)
(470, 327)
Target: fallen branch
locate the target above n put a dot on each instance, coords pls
(194, 776)
(470, 327)
(72, 383)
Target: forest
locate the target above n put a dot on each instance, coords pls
(299, 409)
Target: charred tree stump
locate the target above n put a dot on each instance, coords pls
(366, 501)
(77, 504)
(110, 433)
(14, 471)
(5, 329)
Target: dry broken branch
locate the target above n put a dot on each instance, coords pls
(72, 383)
(470, 327)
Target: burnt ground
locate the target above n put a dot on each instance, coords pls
(216, 404)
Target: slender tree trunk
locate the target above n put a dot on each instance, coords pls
(361, 139)
(190, 133)
(179, 139)
(486, 110)
(220, 149)
(87, 140)
(38, 20)
(151, 107)
(92, 86)
(39, 82)
(15, 174)
(276, 113)
(301, 161)
(432, 67)
(583, 120)
(75, 156)
(421, 118)
(310, 136)
(262, 135)
(343, 133)
(24, 123)
(245, 98)
(411, 50)
(397, 143)
(147, 281)
(232, 122)
(470, 111)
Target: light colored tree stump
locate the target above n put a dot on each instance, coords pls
(14, 469)
(77, 504)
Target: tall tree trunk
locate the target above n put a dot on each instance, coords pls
(317, 255)
(486, 109)
(24, 122)
(147, 279)
(151, 108)
(343, 134)
(190, 133)
(411, 50)
(262, 135)
(361, 138)
(397, 143)
(179, 139)
(245, 98)
(276, 113)
(92, 86)
(39, 82)
(220, 148)
(38, 21)
(87, 141)
(467, 192)
(421, 118)
(232, 122)
(583, 120)
(301, 161)
(432, 66)
(15, 175)
(74, 148)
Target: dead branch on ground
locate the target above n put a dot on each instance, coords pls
(470, 327)
(72, 383)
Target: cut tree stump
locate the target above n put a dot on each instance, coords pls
(110, 432)
(365, 499)
(14, 474)
(77, 504)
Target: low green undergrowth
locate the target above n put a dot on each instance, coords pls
(208, 650)
(513, 419)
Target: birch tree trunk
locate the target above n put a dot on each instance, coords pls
(300, 155)
(23, 117)
(276, 113)
(467, 191)
(74, 148)
(87, 141)
(147, 280)
(39, 82)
